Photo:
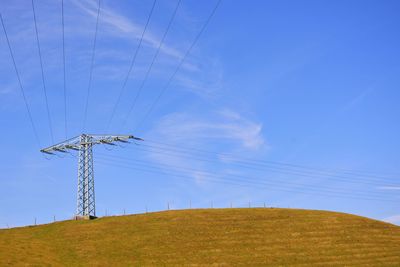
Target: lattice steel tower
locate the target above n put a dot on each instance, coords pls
(85, 207)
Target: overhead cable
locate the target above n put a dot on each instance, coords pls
(151, 107)
(64, 71)
(351, 178)
(138, 92)
(42, 72)
(237, 158)
(91, 68)
(20, 84)
(237, 182)
(260, 179)
(121, 91)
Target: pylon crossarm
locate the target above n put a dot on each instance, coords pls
(108, 139)
(72, 143)
(107, 142)
(76, 143)
(72, 147)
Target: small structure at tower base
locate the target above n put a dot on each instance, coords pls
(84, 217)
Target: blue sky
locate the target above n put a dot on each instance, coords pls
(288, 103)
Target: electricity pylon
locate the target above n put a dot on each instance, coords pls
(85, 207)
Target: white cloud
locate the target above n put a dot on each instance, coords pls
(225, 125)
(223, 131)
(357, 100)
(5, 90)
(389, 187)
(200, 87)
(124, 27)
(207, 81)
(395, 219)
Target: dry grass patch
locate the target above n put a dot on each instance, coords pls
(207, 237)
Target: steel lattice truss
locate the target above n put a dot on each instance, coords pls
(85, 205)
(84, 144)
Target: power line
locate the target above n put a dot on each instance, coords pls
(241, 182)
(91, 67)
(236, 158)
(42, 72)
(201, 172)
(64, 77)
(20, 83)
(276, 169)
(131, 66)
(151, 65)
(325, 178)
(179, 65)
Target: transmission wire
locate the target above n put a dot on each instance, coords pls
(130, 67)
(91, 68)
(240, 182)
(236, 158)
(64, 76)
(265, 164)
(329, 177)
(42, 72)
(135, 161)
(178, 67)
(20, 84)
(151, 65)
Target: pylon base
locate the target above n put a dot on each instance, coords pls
(88, 217)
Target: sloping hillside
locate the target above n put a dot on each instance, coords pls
(223, 237)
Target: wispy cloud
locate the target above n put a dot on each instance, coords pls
(201, 87)
(223, 125)
(225, 129)
(357, 100)
(389, 187)
(8, 89)
(204, 81)
(395, 219)
(123, 26)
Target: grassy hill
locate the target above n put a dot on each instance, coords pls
(218, 237)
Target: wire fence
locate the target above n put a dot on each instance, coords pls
(36, 221)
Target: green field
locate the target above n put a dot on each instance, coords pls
(204, 237)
